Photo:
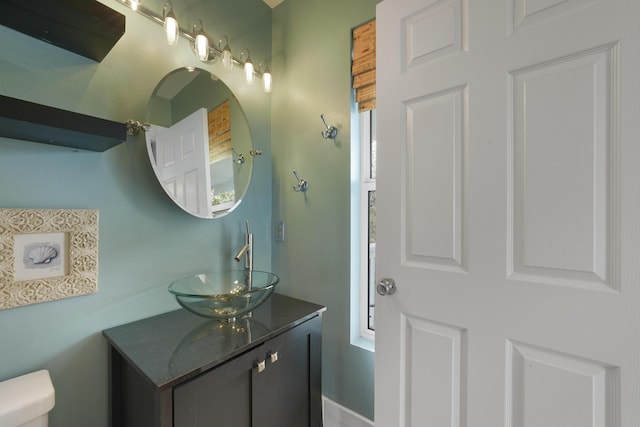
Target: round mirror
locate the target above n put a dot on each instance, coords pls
(199, 142)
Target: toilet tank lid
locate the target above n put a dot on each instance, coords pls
(26, 397)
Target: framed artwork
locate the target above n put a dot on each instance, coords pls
(47, 254)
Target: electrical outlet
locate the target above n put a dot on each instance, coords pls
(280, 231)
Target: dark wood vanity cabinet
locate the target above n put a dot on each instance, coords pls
(241, 394)
(262, 372)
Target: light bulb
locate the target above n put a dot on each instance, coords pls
(267, 82)
(200, 42)
(171, 29)
(248, 70)
(202, 47)
(227, 59)
(134, 5)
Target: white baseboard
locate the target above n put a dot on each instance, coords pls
(338, 416)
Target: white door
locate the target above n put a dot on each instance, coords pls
(508, 210)
(182, 163)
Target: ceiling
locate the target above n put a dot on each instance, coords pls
(171, 87)
(273, 3)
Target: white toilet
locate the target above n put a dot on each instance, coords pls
(26, 401)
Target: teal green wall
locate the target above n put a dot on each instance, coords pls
(145, 241)
(311, 67)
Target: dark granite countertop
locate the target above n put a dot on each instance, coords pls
(172, 347)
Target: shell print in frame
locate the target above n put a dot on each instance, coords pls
(47, 255)
(41, 254)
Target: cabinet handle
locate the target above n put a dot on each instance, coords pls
(261, 366)
(273, 357)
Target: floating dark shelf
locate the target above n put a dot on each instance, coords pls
(86, 27)
(28, 121)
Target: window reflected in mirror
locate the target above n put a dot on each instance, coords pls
(221, 158)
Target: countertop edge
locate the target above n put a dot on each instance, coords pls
(312, 311)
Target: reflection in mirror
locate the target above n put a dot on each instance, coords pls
(199, 142)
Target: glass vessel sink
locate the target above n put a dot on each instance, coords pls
(224, 295)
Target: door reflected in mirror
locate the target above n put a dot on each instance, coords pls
(199, 142)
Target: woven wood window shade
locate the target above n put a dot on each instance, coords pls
(363, 67)
(219, 132)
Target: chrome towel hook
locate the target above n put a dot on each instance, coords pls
(239, 160)
(331, 132)
(135, 126)
(302, 184)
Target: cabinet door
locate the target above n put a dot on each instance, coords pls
(218, 398)
(288, 392)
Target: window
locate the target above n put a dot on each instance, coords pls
(363, 212)
(368, 218)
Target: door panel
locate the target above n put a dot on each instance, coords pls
(434, 30)
(434, 172)
(562, 233)
(530, 12)
(507, 212)
(546, 388)
(435, 355)
(183, 163)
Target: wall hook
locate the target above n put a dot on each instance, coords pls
(239, 157)
(302, 184)
(135, 126)
(331, 132)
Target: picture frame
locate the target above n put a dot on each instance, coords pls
(47, 255)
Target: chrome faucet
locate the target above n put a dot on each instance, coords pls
(247, 251)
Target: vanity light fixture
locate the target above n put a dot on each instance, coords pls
(171, 28)
(200, 42)
(227, 57)
(267, 81)
(249, 70)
